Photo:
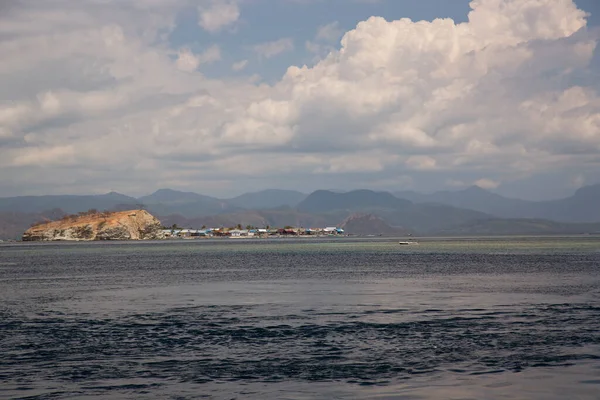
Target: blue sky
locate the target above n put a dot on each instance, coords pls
(268, 20)
(226, 96)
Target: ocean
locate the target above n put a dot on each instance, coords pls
(343, 318)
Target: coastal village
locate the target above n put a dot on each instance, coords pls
(141, 225)
(251, 232)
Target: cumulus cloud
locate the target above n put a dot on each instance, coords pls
(271, 49)
(240, 65)
(325, 37)
(421, 162)
(98, 96)
(188, 61)
(217, 14)
(330, 32)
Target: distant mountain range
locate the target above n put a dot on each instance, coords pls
(582, 206)
(398, 213)
(369, 224)
(68, 203)
(323, 201)
(13, 224)
(470, 211)
(266, 199)
(188, 204)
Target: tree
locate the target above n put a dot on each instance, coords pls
(203, 227)
(238, 226)
(175, 227)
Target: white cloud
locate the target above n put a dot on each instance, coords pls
(421, 163)
(210, 55)
(324, 38)
(98, 91)
(240, 65)
(271, 49)
(49, 103)
(485, 183)
(45, 156)
(188, 61)
(218, 14)
(330, 32)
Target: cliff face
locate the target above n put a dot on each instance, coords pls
(123, 225)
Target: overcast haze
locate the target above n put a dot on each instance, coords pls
(222, 97)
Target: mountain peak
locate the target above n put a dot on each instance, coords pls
(590, 190)
(170, 195)
(476, 189)
(324, 201)
(268, 198)
(169, 191)
(366, 224)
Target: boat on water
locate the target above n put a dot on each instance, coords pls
(406, 243)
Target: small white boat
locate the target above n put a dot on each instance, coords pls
(407, 243)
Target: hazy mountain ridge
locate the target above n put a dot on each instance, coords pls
(194, 205)
(322, 201)
(189, 204)
(438, 213)
(259, 218)
(69, 204)
(521, 226)
(367, 224)
(581, 207)
(423, 218)
(13, 224)
(267, 199)
(174, 196)
(473, 198)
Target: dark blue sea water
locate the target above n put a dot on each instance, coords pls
(514, 318)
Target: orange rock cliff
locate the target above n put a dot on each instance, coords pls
(122, 225)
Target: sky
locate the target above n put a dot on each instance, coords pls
(222, 97)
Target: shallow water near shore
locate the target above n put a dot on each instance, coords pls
(458, 318)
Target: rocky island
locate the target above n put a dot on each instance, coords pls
(92, 225)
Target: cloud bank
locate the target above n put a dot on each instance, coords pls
(95, 100)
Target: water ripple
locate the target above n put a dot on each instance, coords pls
(200, 344)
